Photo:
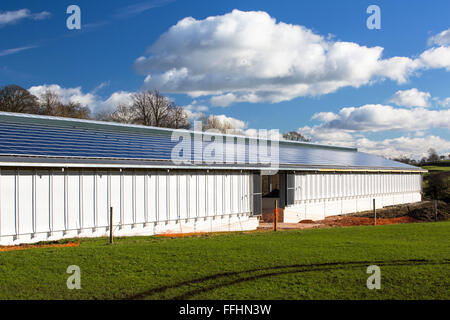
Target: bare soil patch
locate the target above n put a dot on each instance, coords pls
(348, 221)
(405, 213)
(422, 211)
(37, 245)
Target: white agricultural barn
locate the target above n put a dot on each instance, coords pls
(59, 177)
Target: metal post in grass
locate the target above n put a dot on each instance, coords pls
(374, 212)
(111, 239)
(275, 216)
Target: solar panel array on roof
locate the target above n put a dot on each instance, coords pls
(45, 137)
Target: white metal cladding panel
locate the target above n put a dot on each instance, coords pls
(348, 182)
(74, 198)
(193, 191)
(152, 198)
(58, 200)
(234, 194)
(227, 194)
(26, 199)
(139, 197)
(201, 200)
(127, 195)
(88, 199)
(42, 201)
(327, 186)
(42, 196)
(183, 196)
(173, 196)
(211, 195)
(219, 194)
(115, 190)
(102, 206)
(7, 202)
(162, 197)
(246, 193)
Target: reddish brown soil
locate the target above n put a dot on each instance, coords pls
(347, 221)
(181, 235)
(29, 246)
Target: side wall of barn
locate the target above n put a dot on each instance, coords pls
(319, 195)
(39, 204)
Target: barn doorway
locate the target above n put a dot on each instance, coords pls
(270, 192)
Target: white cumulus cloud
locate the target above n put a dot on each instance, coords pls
(349, 127)
(440, 39)
(444, 102)
(411, 98)
(249, 56)
(235, 123)
(376, 117)
(436, 58)
(414, 148)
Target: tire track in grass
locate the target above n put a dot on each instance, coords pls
(270, 272)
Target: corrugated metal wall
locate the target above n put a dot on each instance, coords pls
(319, 195)
(36, 201)
(334, 185)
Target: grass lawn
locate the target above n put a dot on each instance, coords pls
(298, 264)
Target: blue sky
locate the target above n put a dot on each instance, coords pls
(287, 65)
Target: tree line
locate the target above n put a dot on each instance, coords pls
(433, 157)
(148, 108)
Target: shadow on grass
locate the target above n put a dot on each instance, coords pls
(269, 272)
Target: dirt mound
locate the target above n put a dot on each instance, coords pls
(426, 212)
(422, 211)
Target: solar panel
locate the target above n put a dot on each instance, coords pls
(68, 139)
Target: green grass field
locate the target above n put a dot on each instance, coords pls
(436, 168)
(443, 165)
(299, 264)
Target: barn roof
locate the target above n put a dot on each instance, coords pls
(32, 140)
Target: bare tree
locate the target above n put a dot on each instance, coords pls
(49, 102)
(179, 118)
(405, 159)
(151, 108)
(72, 110)
(295, 136)
(213, 122)
(123, 114)
(14, 98)
(432, 155)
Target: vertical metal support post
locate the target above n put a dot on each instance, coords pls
(275, 216)
(374, 212)
(111, 239)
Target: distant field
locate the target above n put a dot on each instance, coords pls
(437, 168)
(443, 165)
(300, 264)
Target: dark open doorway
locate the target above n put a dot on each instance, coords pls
(270, 192)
